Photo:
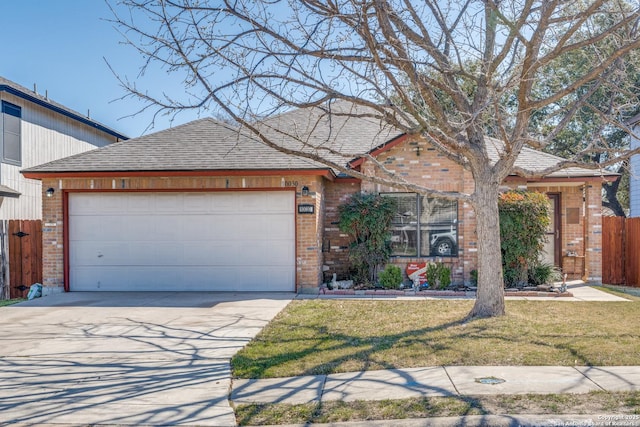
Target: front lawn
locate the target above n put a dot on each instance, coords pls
(327, 336)
(545, 404)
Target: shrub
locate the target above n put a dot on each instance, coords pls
(474, 277)
(444, 276)
(438, 275)
(541, 274)
(391, 277)
(524, 218)
(431, 274)
(367, 220)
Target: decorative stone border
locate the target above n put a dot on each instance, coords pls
(431, 293)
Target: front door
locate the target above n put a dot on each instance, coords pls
(551, 252)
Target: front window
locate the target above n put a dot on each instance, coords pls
(424, 226)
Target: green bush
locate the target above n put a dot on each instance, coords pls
(391, 277)
(444, 276)
(367, 220)
(542, 274)
(438, 275)
(474, 277)
(524, 218)
(431, 274)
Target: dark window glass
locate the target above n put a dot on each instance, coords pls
(424, 226)
(11, 133)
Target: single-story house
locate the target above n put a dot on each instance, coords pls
(206, 207)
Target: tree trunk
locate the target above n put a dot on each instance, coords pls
(490, 294)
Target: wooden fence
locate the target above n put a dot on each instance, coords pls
(621, 251)
(21, 264)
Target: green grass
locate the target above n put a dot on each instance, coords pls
(337, 411)
(328, 336)
(6, 302)
(627, 292)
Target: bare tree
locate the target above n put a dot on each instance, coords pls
(449, 72)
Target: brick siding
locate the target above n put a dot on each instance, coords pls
(308, 227)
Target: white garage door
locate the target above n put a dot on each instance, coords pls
(227, 241)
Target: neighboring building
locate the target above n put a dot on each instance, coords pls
(204, 206)
(36, 130)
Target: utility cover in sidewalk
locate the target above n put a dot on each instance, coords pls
(490, 380)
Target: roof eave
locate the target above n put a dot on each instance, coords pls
(590, 178)
(380, 149)
(326, 173)
(26, 96)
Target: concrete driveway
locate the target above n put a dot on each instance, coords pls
(157, 358)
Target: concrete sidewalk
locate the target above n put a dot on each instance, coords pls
(437, 381)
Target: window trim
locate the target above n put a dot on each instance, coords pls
(13, 110)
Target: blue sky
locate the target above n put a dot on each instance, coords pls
(61, 46)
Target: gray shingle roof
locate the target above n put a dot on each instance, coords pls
(340, 134)
(534, 160)
(201, 145)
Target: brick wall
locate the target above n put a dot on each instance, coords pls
(336, 254)
(581, 230)
(593, 233)
(419, 163)
(308, 227)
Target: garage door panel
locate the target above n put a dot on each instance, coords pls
(138, 227)
(182, 241)
(168, 227)
(141, 203)
(257, 252)
(252, 226)
(226, 227)
(279, 226)
(99, 253)
(224, 203)
(197, 203)
(279, 253)
(197, 227)
(276, 276)
(96, 228)
(169, 203)
(98, 204)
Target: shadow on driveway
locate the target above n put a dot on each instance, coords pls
(126, 358)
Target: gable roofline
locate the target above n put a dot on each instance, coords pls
(380, 149)
(21, 92)
(576, 172)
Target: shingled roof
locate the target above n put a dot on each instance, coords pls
(209, 145)
(339, 134)
(534, 160)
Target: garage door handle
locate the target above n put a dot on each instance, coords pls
(100, 256)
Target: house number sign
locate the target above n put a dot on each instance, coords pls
(306, 209)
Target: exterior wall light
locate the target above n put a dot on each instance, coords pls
(305, 191)
(50, 192)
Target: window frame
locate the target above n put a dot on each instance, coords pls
(9, 109)
(424, 228)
